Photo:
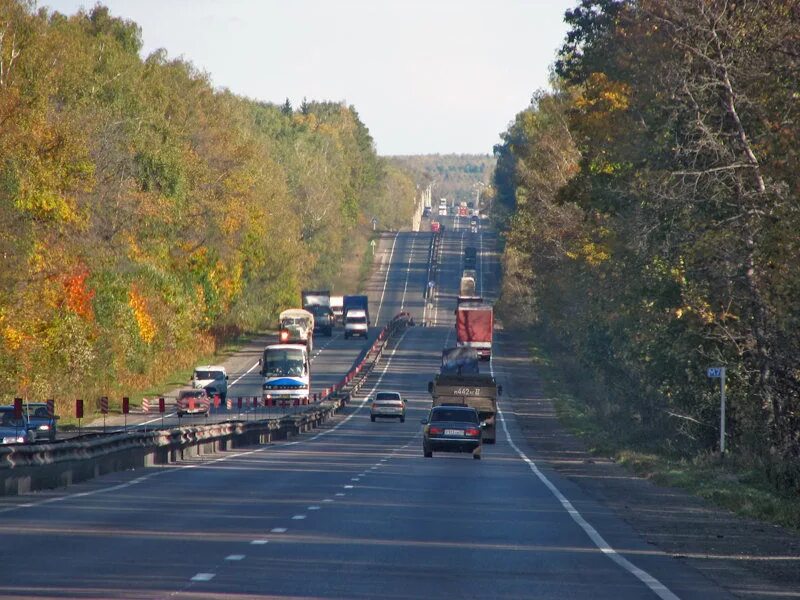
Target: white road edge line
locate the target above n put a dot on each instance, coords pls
(386, 278)
(658, 588)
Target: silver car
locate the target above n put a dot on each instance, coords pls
(388, 405)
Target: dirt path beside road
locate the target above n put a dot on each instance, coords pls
(749, 558)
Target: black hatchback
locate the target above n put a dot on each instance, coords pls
(452, 429)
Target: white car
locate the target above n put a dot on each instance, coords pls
(211, 378)
(388, 405)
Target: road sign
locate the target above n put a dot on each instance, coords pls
(374, 224)
(719, 373)
(17, 408)
(161, 405)
(126, 406)
(714, 372)
(78, 409)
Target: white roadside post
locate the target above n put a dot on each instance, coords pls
(719, 373)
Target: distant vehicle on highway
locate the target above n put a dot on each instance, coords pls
(426, 212)
(452, 429)
(388, 404)
(193, 402)
(435, 226)
(286, 370)
(14, 430)
(337, 308)
(39, 420)
(211, 378)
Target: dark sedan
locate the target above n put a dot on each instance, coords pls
(14, 430)
(40, 420)
(452, 429)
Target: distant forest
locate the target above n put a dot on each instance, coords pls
(454, 176)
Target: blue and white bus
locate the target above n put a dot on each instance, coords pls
(287, 374)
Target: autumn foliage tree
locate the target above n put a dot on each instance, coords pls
(676, 246)
(143, 214)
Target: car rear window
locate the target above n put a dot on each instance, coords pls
(387, 396)
(449, 414)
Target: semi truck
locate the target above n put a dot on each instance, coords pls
(356, 316)
(337, 307)
(318, 303)
(474, 326)
(460, 382)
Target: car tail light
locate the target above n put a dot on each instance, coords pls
(284, 335)
(435, 430)
(472, 431)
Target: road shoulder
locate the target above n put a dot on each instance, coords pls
(749, 558)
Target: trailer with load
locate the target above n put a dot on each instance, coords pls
(460, 382)
(475, 325)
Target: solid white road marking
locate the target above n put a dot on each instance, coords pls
(408, 272)
(386, 279)
(651, 582)
(204, 577)
(235, 557)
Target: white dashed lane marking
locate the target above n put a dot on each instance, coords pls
(235, 557)
(203, 577)
(279, 530)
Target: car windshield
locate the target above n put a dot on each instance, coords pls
(8, 420)
(279, 363)
(387, 396)
(192, 394)
(446, 414)
(208, 375)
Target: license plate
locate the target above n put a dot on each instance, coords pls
(459, 432)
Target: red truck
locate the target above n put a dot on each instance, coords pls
(474, 326)
(435, 226)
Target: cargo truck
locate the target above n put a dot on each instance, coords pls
(318, 303)
(474, 326)
(460, 382)
(296, 327)
(467, 286)
(337, 307)
(356, 316)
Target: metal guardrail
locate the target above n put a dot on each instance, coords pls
(25, 469)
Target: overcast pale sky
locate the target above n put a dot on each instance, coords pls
(426, 76)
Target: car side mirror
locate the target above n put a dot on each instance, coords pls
(430, 387)
(424, 421)
(259, 361)
(226, 377)
(499, 390)
(484, 424)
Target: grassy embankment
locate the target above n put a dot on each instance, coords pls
(732, 483)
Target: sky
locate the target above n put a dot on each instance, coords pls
(426, 76)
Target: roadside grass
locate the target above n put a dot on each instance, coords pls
(178, 377)
(734, 483)
(367, 261)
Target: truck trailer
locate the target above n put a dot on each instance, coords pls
(474, 326)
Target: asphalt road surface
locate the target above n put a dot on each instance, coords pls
(352, 510)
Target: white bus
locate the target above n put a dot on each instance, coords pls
(287, 374)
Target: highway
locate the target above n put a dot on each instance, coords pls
(351, 510)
